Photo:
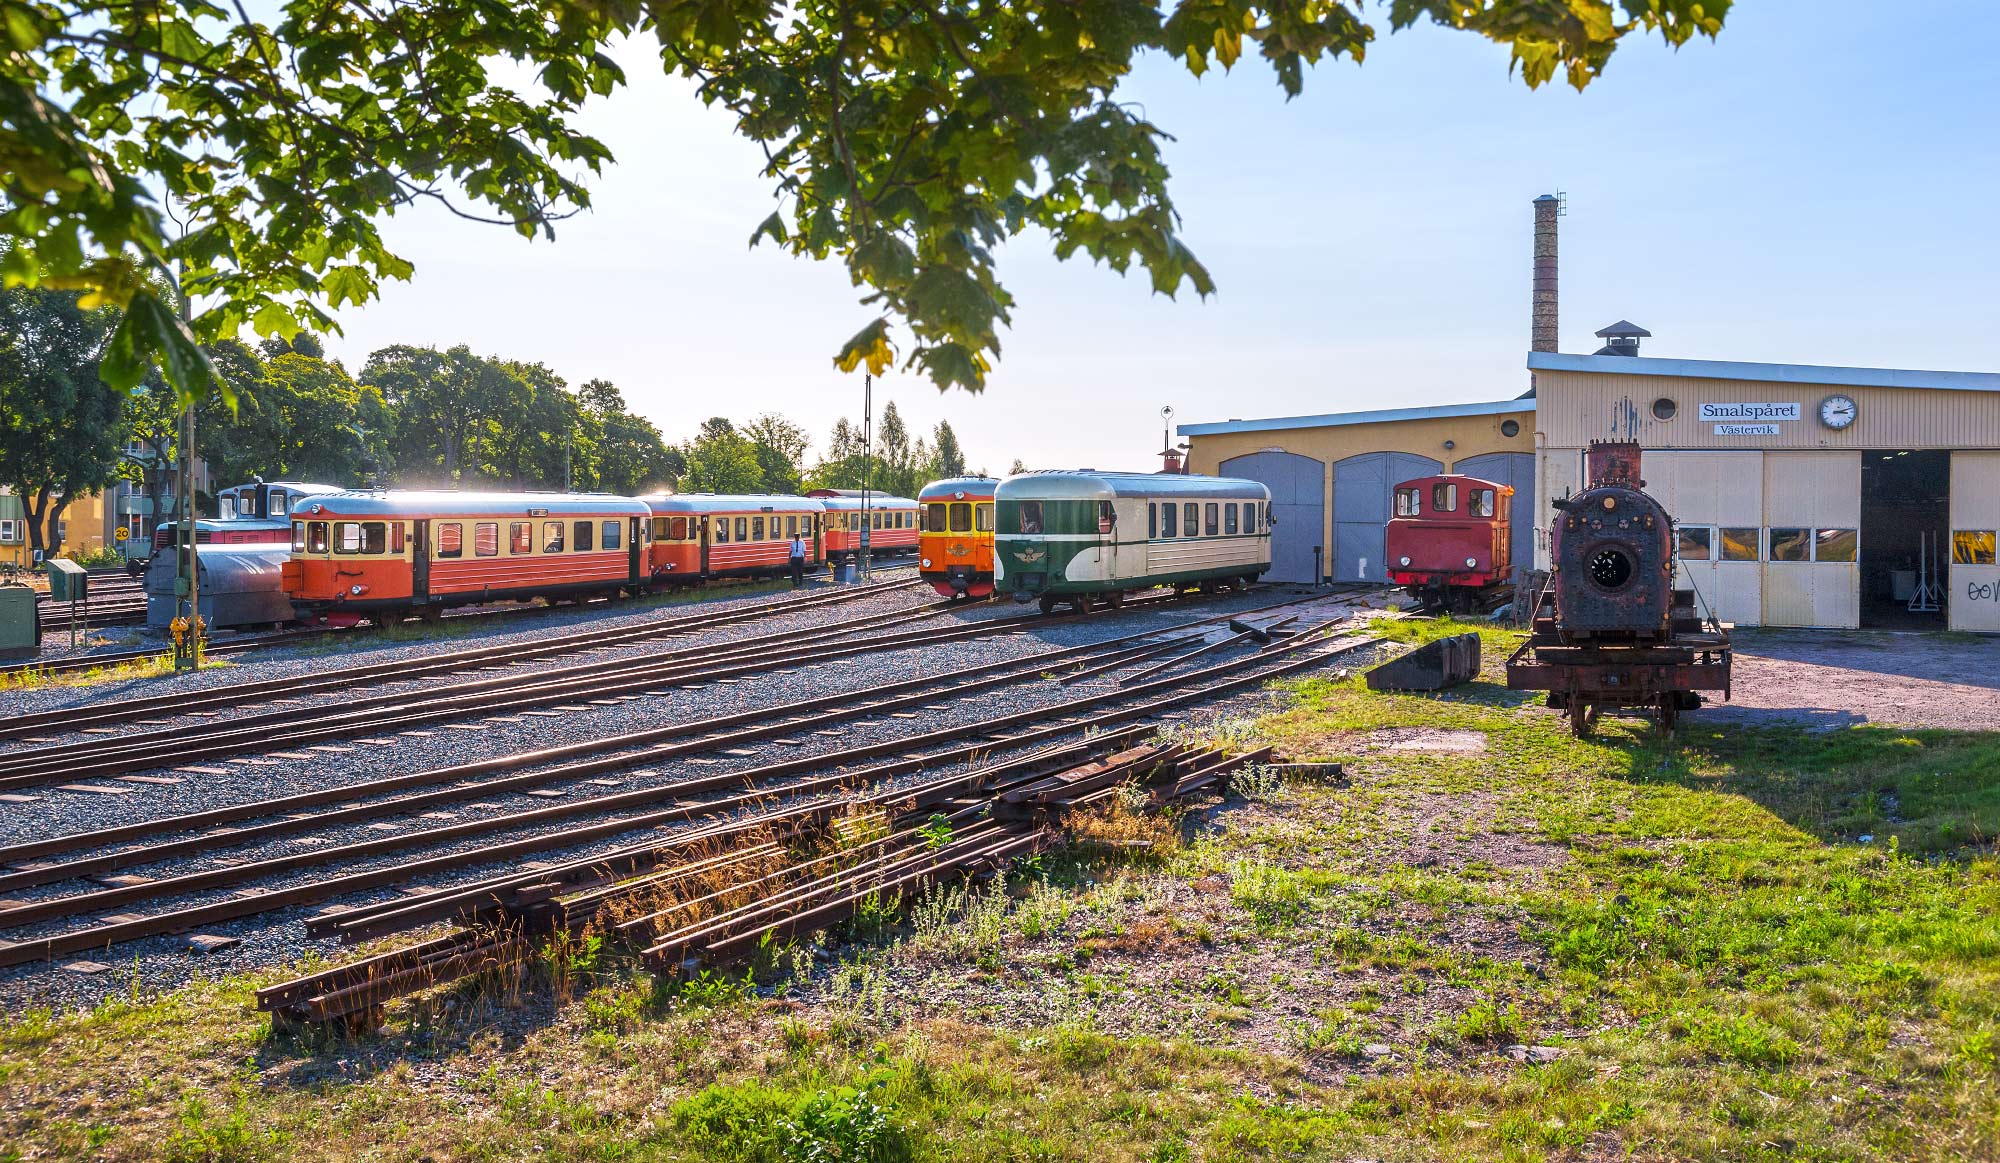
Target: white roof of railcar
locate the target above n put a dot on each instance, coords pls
(424, 504)
(733, 503)
(945, 489)
(876, 501)
(1089, 485)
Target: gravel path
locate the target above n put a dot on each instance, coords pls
(273, 939)
(1834, 679)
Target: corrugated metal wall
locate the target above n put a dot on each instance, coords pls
(1974, 590)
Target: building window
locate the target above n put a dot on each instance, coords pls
(1510, 428)
(1664, 408)
(1696, 543)
(1031, 516)
(1407, 503)
(1972, 547)
(1788, 544)
(1836, 544)
(1739, 544)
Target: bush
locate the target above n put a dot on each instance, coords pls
(849, 1125)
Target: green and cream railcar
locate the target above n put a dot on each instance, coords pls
(1081, 537)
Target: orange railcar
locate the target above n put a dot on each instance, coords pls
(890, 523)
(955, 541)
(385, 555)
(701, 536)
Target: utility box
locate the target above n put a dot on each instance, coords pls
(68, 581)
(20, 622)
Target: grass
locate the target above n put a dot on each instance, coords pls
(158, 666)
(1707, 959)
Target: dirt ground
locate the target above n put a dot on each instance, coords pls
(1833, 678)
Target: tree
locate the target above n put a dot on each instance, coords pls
(842, 467)
(781, 448)
(905, 141)
(631, 456)
(720, 460)
(895, 461)
(948, 457)
(61, 427)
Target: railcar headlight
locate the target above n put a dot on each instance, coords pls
(1470, 562)
(1403, 560)
(927, 563)
(357, 590)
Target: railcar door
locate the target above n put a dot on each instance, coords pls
(701, 533)
(420, 565)
(632, 550)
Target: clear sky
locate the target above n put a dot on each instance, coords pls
(1819, 186)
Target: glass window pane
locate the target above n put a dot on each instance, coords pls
(396, 535)
(1695, 542)
(1152, 521)
(1190, 519)
(486, 539)
(1482, 502)
(521, 537)
(299, 536)
(1031, 516)
(347, 537)
(1972, 547)
(983, 518)
(1836, 545)
(742, 529)
(1229, 519)
(1213, 513)
(756, 529)
(1739, 544)
(583, 537)
(374, 537)
(451, 539)
(1107, 517)
(614, 535)
(1791, 544)
(961, 517)
(1172, 527)
(552, 537)
(792, 526)
(1406, 502)
(316, 538)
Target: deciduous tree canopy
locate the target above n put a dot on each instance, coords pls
(904, 139)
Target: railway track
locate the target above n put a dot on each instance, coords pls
(582, 821)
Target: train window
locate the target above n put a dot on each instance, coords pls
(1972, 547)
(1835, 544)
(660, 527)
(722, 530)
(552, 537)
(486, 539)
(791, 527)
(374, 537)
(612, 535)
(1190, 519)
(742, 529)
(1152, 521)
(1696, 543)
(756, 529)
(451, 539)
(1170, 520)
(1269, 518)
(1229, 519)
(681, 530)
(982, 518)
(1444, 498)
(396, 534)
(1107, 517)
(583, 537)
(934, 517)
(298, 537)
(1480, 503)
(277, 502)
(316, 537)
(1791, 544)
(1212, 512)
(521, 537)
(1739, 544)
(353, 537)
(1031, 516)
(1407, 504)
(1249, 516)
(875, 518)
(961, 517)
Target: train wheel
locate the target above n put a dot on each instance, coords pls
(1115, 599)
(432, 614)
(1048, 605)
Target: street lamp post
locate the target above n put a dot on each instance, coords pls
(867, 461)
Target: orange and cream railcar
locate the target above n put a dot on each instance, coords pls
(955, 542)
(386, 555)
(891, 523)
(702, 536)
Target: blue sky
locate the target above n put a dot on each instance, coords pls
(1809, 191)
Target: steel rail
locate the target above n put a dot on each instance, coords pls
(111, 932)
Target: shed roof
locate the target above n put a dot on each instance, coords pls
(1788, 373)
(1377, 416)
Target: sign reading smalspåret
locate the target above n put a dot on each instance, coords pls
(1749, 413)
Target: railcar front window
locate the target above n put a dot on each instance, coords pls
(1696, 542)
(521, 537)
(347, 537)
(552, 537)
(1444, 498)
(982, 518)
(1973, 547)
(298, 537)
(1229, 519)
(1406, 503)
(451, 539)
(613, 536)
(1739, 544)
(374, 537)
(486, 539)
(961, 517)
(1482, 502)
(1791, 544)
(1031, 516)
(934, 517)
(316, 537)
(583, 537)
(1836, 545)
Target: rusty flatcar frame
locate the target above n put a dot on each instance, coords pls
(1585, 677)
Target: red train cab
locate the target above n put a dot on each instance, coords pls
(1449, 539)
(892, 523)
(702, 536)
(955, 543)
(386, 555)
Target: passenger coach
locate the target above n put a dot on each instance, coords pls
(892, 523)
(703, 536)
(386, 555)
(955, 545)
(1078, 537)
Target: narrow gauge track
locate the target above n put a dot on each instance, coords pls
(910, 753)
(77, 663)
(146, 707)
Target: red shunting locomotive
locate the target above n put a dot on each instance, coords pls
(1448, 541)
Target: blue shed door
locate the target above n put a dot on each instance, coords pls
(1298, 508)
(1517, 469)
(1361, 497)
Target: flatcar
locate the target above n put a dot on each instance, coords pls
(892, 523)
(384, 555)
(955, 545)
(1078, 538)
(701, 536)
(1448, 542)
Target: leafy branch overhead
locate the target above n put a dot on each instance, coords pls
(907, 138)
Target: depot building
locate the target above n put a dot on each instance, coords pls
(1804, 495)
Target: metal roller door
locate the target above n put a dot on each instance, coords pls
(1516, 469)
(1361, 498)
(1298, 493)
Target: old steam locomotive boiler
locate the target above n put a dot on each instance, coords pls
(1610, 629)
